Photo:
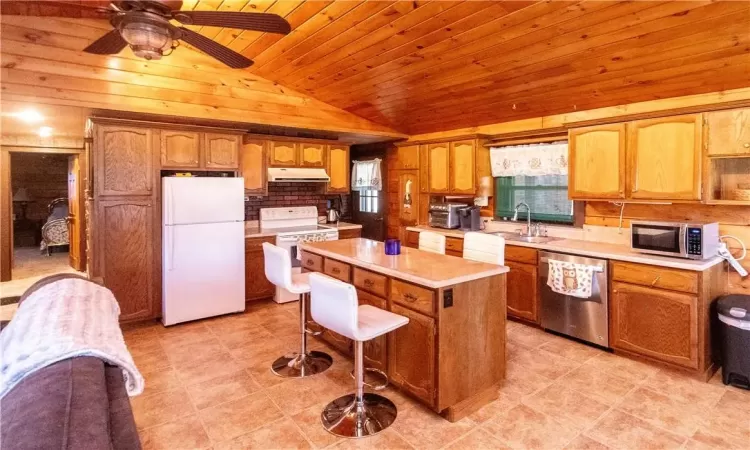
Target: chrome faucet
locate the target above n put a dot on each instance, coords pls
(528, 216)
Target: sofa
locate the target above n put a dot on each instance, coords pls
(77, 403)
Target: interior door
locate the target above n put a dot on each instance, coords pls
(75, 219)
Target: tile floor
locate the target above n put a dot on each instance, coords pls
(208, 385)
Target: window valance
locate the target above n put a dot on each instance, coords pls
(530, 160)
(366, 175)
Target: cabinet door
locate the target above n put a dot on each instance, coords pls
(338, 169)
(656, 323)
(408, 198)
(424, 169)
(665, 158)
(411, 239)
(728, 132)
(462, 167)
(523, 300)
(439, 163)
(179, 148)
(312, 155)
(123, 160)
(222, 151)
(411, 355)
(125, 254)
(375, 349)
(408, 157)
(253, 167)
(597, 162)
(282, 153)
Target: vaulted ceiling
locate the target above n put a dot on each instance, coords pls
(423, 66)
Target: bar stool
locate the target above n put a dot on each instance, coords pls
(334, 305)
(278, 268)
(432, 242)
(482, 247)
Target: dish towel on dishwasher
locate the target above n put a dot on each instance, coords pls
(570, 278)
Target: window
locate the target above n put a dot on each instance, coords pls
(546, 195)
(368, 201)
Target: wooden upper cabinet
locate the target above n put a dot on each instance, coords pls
(253, 166)
(438, 156)
(338, 169)
(221, 151)
(180, 148)
(282, 153)
(407, 157)
(656, 323)
(728, 132)
(125, 243)
(312, 155)
(424, 169)
(123, 160)
(410, 366)
(665, 158)
(597, 162)
(462, 167)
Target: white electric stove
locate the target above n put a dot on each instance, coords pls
(294, 225)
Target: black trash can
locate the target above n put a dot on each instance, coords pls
(734, 326)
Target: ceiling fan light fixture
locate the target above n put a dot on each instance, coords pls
(146, 40)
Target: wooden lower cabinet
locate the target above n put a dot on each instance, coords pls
(523, 298)
(257, 285)
(411, 355)
(656, 323)
(124, 255)
(339, 342)
(350, 234)
(375, 350)
(411, 239)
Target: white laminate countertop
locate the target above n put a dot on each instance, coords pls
(253, 229)
(416, 266)
(595, 249)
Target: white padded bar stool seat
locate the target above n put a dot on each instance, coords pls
(432, 242)
(334, 305)
(373, 322)
(278, 269)
(482, 247)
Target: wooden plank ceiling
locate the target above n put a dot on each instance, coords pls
(423, 66)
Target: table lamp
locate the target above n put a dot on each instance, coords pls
(23, 198)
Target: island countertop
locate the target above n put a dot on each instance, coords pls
(416, 266)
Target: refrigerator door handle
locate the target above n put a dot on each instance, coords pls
(169, 235)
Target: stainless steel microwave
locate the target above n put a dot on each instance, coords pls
(678, 239)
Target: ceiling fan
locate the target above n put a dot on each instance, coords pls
(145, 26)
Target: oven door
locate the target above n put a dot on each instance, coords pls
(438, 219)
(658, 238)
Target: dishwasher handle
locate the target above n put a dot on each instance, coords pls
(545, 260)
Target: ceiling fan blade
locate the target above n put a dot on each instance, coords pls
(109, 44)
(266, 22)
(218, 51)
(94, 9)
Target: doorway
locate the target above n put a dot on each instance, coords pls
(369, 207)
(42, 229)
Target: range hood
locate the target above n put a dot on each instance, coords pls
(298, 175)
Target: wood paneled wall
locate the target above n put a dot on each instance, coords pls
(42, 63)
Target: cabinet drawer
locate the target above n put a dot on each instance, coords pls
(337, 270)
(654, 276)
(414, 297)
(520, 254)
(454, 245)
(371, 282)
(312, 262)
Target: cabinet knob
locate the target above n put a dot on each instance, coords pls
(656, 280)
(747, 145)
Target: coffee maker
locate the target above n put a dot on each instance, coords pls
(469, 218)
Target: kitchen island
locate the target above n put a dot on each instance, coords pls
(451, 355)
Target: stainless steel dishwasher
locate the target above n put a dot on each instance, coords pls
(583, 318)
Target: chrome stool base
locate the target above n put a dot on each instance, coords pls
(348, 418)
(298, 366)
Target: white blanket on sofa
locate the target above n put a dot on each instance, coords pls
(65, 319)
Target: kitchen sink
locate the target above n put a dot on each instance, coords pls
(530, 239)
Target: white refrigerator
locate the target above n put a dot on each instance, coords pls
(203, 247)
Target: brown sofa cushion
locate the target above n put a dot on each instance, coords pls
(79, 403)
